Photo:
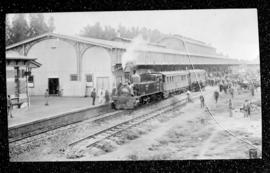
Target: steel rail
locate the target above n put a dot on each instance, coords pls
(118, 128)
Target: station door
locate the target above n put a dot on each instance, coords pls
(103, 82)
(53, 86)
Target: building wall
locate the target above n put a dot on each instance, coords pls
(97, 61)
(58, 60)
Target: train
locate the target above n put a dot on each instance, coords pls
(155, 86)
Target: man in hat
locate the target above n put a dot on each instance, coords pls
(216, 96)
(93, 95)
(202, 101)
(230, 107)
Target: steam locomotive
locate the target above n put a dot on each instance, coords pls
(157, 86)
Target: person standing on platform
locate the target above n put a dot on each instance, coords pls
(216, 95)
(248, 108)
(107, 97)
(9, 107)
(135, 78)
(101, 96)
(220, 87)
(202, 101)
(188, 96)
(252, 89)
(231, 91)
(238, 89)
(93, 95)
(245, 108)
(46, 97)
(225, 87)
(230, 107)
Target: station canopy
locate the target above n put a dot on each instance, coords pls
(15, 59)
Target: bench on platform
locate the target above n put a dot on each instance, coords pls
(16, 102)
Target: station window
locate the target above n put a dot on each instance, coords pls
(31, 81)
(74, 77)
(89, 78)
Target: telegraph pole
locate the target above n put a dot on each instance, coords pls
(27, 90)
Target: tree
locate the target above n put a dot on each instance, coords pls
(96, 31)
(37, 25)
(19, 29)
(51, 25)
(9, 33)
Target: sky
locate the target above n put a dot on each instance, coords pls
(234, 32)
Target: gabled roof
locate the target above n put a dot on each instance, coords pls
(87, 40)
(187, 39)
(118, 45)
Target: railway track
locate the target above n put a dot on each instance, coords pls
(50, 133)
(18, 146)
(101, 135)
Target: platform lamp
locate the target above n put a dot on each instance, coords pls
(27, 74)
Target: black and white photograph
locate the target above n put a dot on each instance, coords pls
(133, 85)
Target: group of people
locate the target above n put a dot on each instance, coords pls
(103, 96)
(228, 84)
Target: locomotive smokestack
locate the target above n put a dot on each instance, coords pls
(129, 66)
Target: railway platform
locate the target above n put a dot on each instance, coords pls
(60, 112)
(57, 106)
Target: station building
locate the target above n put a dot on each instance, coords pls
(75, 65)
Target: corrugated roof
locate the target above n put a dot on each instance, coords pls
(189, 39)
(16, 56)
(115, 44)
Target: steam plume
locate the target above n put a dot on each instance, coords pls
(130, 56)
